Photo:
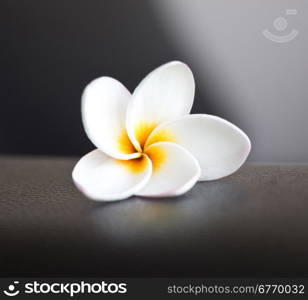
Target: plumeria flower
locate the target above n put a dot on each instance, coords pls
(147, 143)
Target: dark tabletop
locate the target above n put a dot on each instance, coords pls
(253, 223)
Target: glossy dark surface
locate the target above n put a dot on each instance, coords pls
(253, 223)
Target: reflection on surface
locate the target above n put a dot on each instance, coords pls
(172, 218)
(244, 224)
(252, 223)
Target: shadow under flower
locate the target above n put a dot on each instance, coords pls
(151, 219)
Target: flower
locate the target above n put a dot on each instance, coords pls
(147, 143)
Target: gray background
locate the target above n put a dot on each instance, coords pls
(258, 84)
(51, 49)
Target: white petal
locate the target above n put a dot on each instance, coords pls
(101, 177)
(175, 171)
(164, 94)
(219, 146)
(104, 103)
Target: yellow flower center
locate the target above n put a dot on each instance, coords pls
(142, 132)
(156, 153)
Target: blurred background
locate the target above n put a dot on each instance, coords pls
(51, 49)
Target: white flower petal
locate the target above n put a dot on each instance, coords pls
(175, 171)
(219, 146)
(104, 103)
(164, 94)
(103, 178)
